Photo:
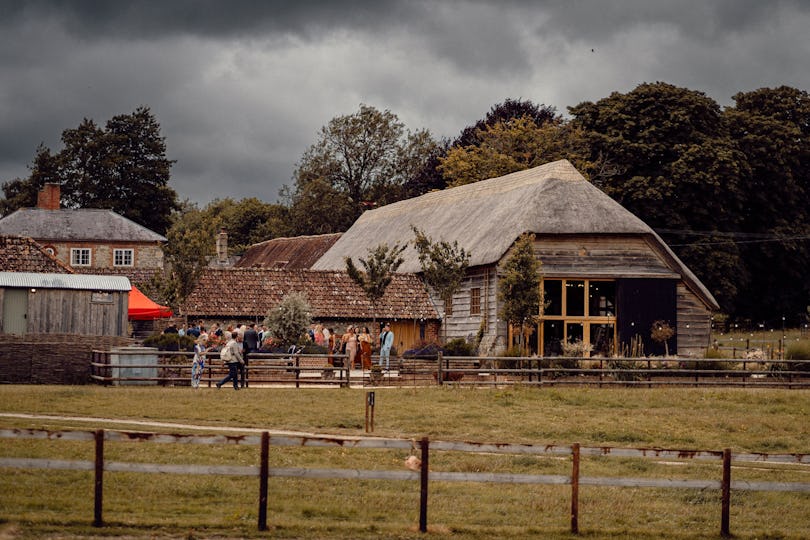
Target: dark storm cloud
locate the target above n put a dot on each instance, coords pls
(242, 88)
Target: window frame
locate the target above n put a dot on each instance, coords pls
(475, 301)
(76, 255)
(124, 252)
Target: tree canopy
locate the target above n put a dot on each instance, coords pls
(122, 166)
(378, 270)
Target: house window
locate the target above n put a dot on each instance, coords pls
(80, 257)
(448, 307)
(122, 257)
(475, 301)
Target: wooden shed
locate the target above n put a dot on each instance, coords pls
(48, 303)
(607, 275)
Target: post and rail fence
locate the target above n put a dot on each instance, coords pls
(100, 465)
(174, 368)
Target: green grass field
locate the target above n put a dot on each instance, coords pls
(39, 503)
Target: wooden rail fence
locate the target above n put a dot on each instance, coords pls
(725, 485)
(313, 369)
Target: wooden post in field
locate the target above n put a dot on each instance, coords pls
(423, 491)
(575, 489)
(439, 376)
(726, 494)
(99, 479)
(263, 470)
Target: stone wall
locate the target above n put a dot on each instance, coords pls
(51, 358)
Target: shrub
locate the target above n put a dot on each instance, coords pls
(625, 364)
(799, 350)
(170, 342)
(458, 347)
(423, 350)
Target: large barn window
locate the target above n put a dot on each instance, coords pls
(80, 257)
(578, 310)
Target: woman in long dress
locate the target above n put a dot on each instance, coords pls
(350, 339)
(365, 340)
(198, 364)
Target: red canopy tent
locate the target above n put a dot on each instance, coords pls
(141, 308)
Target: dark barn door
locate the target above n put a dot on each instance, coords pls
(640, 302)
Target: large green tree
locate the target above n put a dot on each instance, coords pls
(772, 128)
(365, 157)
(678, 169)
(122, 166)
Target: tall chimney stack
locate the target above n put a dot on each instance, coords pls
(222, 247)
(48, 198)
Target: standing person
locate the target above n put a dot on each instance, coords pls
(319, 339)
(231, 354)
(365, 340)
(198, 364)
(386, 342)
(349, 340)
(250, 344)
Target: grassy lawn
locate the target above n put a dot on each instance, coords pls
(36, 503)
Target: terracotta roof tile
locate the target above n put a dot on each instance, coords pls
(288, 253)
(22, 254)
(249, 292)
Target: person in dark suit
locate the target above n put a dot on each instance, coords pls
(250, 344)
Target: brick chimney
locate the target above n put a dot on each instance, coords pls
(222, 247)
(48, 198)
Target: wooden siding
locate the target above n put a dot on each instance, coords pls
(74, 312)
(609, 256)
(694, 323)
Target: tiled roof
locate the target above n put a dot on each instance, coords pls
(21, 254)
(250, 292)
(137, 276)
(288, 253)
(80, 224)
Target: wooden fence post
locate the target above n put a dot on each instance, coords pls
(575, 489)
(726, 494)
(439, 376)
(99, 479)
(263, 470)
(423, 491)
(297, 371)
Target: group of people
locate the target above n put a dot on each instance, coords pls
(237, 344)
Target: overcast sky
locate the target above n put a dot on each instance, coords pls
(241, 89)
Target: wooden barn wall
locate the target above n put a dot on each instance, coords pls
(608, 256)
(2, 291)
(69, 311)
(461, 324)
(694, 324)
(51, 358)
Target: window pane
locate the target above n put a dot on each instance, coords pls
(475, 301)
(602, 339)
(574, 298)
(122, 257)
(552, 338)
(574, 332)
(602, 299)
(553, 296)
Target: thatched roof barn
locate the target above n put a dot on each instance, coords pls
(585, 241)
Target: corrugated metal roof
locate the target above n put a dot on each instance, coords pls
(64, 281)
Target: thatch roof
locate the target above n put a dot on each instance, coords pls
(486, 217)
(289, 253)
(252, 292)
